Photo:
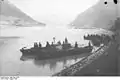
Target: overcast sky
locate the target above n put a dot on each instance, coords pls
(53, 11)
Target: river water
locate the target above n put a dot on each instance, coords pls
(10, 63)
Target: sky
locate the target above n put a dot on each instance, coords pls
(53, 11)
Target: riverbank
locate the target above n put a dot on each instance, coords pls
(105, 65)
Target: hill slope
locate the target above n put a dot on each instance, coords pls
(11, 14)
(99, 15)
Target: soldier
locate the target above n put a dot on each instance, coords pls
(66, 41)
(40, 46)
(52, 44)
(76, 45)
(54, 39)
(35, 45)
(47, 45)
(59, 43)
(89, 44)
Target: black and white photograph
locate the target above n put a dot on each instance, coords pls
(59, 38)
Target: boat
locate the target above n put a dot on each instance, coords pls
(55, 50)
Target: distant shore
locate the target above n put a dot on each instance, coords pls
(8, 37)
(4, 38)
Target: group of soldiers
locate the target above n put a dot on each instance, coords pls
(94, 38)
(65, 44)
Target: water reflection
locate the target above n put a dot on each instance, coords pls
(53, 63)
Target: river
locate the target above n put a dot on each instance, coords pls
(10, 63)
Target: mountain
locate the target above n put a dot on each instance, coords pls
(100, 15)
(12, 15)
